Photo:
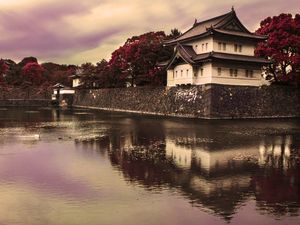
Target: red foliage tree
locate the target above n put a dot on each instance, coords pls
(137, 59)
(3, 69)
(282, 47)
(33, 73)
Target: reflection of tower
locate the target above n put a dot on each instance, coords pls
(276, 153)
(217, 178)
(199, 158)
(181, 155)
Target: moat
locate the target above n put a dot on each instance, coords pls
(91, 167)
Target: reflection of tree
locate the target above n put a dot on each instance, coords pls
(277, 184)
(151, 171)
(278, 192)
(214, 169)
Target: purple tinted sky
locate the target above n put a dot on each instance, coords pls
(73, 31)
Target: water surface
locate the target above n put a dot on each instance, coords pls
(89, 167)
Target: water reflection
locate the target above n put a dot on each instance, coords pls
(218, 167)
(215, 177)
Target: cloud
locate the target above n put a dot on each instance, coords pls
(67, 31)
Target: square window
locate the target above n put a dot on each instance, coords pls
(240, 48)
(235, 47)
(224, 46)
(235, 72)
(219, 71)
(219, 46)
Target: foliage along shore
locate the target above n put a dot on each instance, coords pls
(136, 63)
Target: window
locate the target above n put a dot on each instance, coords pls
(251, 73)
(235, 72)
(219, 46)
(219, 71)
(201, 71)
(240, 48)
(196, 47)
(176, 73)
(187, 72)
(181, 73)
(202, 47)
(235, 47)
(206, 46)
(224, 46)
(247, 73)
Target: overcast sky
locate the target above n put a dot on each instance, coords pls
(78, 31)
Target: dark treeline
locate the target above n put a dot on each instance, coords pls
(134, 63)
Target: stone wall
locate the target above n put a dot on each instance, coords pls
(24, 93)
(254, 102)
(18, 96)
(206, 101)
(25, 102)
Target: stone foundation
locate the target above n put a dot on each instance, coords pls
(205, 101)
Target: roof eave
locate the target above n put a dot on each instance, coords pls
(175, 41)
(253, 36)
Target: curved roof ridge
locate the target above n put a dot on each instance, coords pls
(214, 18)
(204, 21)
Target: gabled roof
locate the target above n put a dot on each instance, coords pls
(187, 54)
(229, 23)
(231, 57)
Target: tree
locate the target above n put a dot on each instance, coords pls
(282, 47)
(56, 73)
(136, 61)
(33, 72)
(3, 70)
(174, 33)
(87, 72)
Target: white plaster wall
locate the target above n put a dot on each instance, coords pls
(76, 82)
(170, 79)
(197, 45)
(185, 77)
(241, 78)
(247, 48)
(210, 75)
(206, 77)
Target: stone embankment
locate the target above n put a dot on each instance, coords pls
(206, 101)
(18, 96)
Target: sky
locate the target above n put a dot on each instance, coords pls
(79, 31)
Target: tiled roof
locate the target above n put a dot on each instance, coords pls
(235, 57)
(241, 34)
(218, 24)
(189, 55)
